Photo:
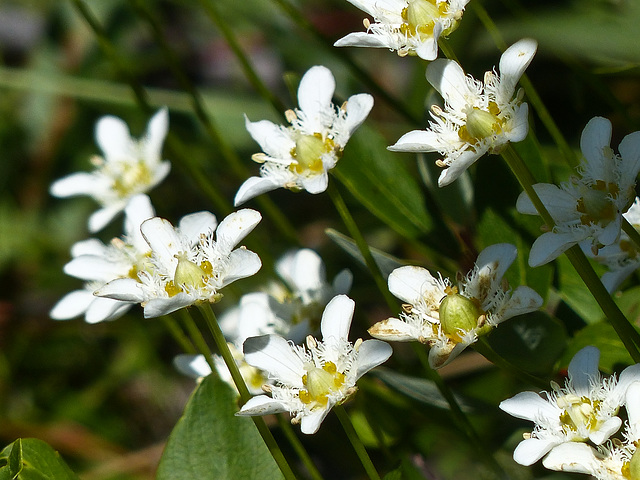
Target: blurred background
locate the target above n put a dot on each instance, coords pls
(106, 395)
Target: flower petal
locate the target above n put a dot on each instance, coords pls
(448, 78)
(274, 140)
(113, 138)
(194, 366)
(72, 305)
(460, 164)
(105, 309)
(371, 354)
(252, 187)
(78, 184)
(583, 369)
(595, 137)
(196, 224)
(314, 94)
(572, 457)
(156, 307)
(393, 329)
(410, 283)
(311, 422)
(358, 108)
(513, 63)
(242, 263)
(123, 289)
(275, 355)
(155, 135)
(336, 320)
(302, 270)
(163, 240)
(262, 405)
(363, 39)
(137, 211)
(531, 450)
(101, 218)
(236, 226)
(417, 141)
(549, 246)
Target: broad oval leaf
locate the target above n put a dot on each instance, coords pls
(209, 441)
(33, 459)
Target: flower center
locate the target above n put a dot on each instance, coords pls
(420, 16)
(631, 469)
(132, 177)
(578, 412)
(320, 383)
(458, 314)
(481, 124)
(308, 153)
(188, 274)
(596, 204)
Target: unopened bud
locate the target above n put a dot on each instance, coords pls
(458, 315)
(188, 273)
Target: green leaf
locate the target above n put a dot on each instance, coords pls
(33, 459)
(386, 263)
(209, 441)
(531, 342)
(424, 391)
(575, 293)
(603, 336)
(380, 180)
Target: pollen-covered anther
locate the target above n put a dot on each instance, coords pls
(441, 164)
(367, 23)
(311, 342)
(96, 161)
(290, 115)
(407, 308)
(267, 388)
(259, 157)
(357, 344)
(437, 111)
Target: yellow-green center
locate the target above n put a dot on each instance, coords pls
(320, 383)
(308, 153)
(458, 314)
(420, 17)
(481, 124)
(188, 274)
(133, 177)
(577, 412)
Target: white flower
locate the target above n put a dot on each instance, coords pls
(127, 168)
(412, 27)
(310, 381)
(97, 264)
(622, 258)
(585, 409)
(299, 156)
(449, 318)
(188, 265)
(477, 117)
(615, 460)
(196, 366)
(293, 311)
(589, 206)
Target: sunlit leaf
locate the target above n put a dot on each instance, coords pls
(33, 459)
(209, 441)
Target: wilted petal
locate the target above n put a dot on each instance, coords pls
(393, 329)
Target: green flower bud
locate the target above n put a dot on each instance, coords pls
(458, 313)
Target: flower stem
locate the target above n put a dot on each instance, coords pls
(196, 337)
(354, 231)
(223, 349)
(630, 230)
(178, 334)
(356, 442)
(627, 333)
(295, 442)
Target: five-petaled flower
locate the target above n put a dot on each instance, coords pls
(589, 206)
(449, 318)
(299, 156)
(584, 410)
(97, 264)
(187, 265)
(478, 117)
(411, 27)
(310, 380)
(128, 167)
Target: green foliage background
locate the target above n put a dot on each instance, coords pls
(105, 396)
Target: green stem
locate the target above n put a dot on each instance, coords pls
(178, 334)
(446, 49)
(295, 442)
(482, 347)
(196, 337)
(223, 349)
(627, 333)
(532, 95)
(631, 231)
(356, 442)
(354, 231)
(249, 72)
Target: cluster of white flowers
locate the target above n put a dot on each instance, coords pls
(589, 206)
(411, 27)
(292, 312)
(449, 318)
(574, 424)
